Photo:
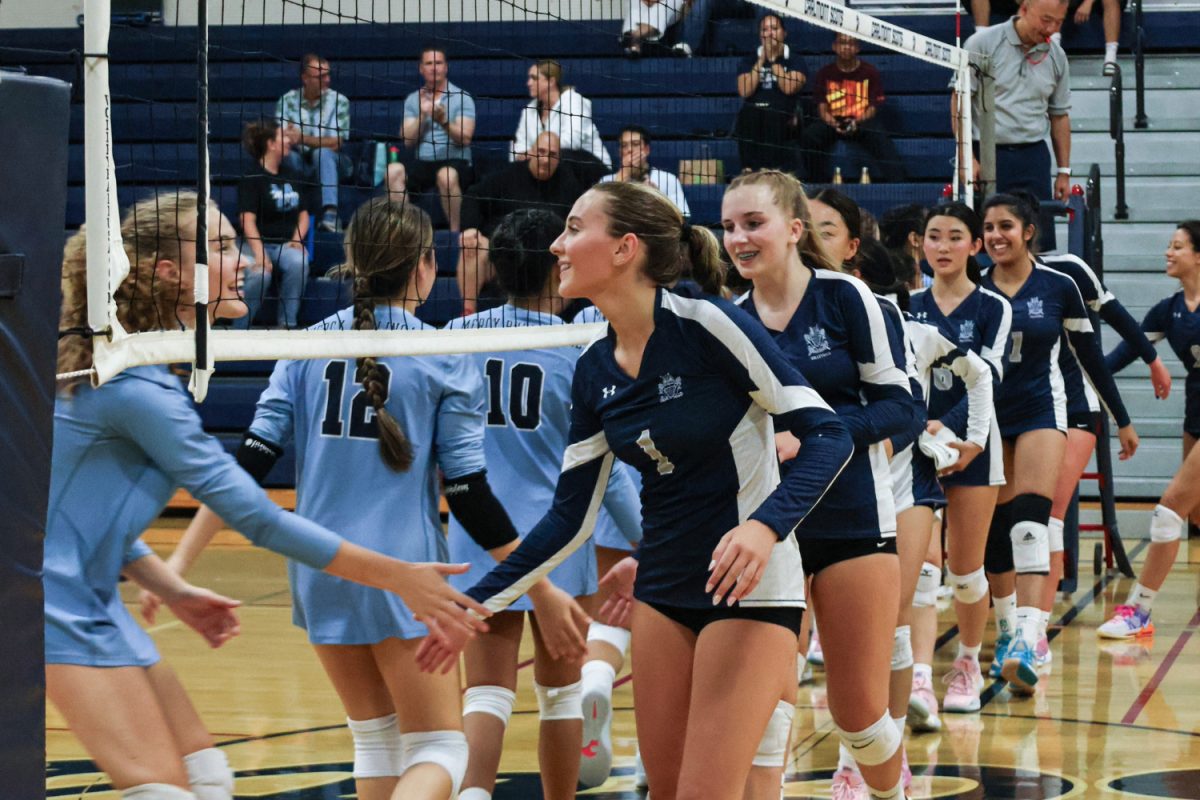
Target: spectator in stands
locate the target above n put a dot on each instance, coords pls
(274, 219)
(317, 123)
(635, 167)
(541, 182)
(1081, 12)
(1033, 98)
(981, 11)
(646, 21)
(439, 122)
(848, 93)
(769, 82)
(560, 110)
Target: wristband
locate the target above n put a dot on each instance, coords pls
(1064, 170)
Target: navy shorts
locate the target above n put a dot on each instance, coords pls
(817, 554)
(697, 619)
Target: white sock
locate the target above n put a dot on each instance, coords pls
(968, 652)
(1110, 51)
(1006, 613)
(474, 793)
(1141, 597)
(597, 676)
(1027, 624)
(924, 671)
(845, 759)
(895, 793)
(1043, 623)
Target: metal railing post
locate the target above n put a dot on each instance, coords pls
(1116, 129)
(1140, 120)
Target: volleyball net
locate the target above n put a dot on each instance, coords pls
(168, 108)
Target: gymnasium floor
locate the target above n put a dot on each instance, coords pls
(1108, 721)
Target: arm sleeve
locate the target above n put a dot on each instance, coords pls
(996, 330)
(1085, 343)
(623, 505)
(1154, 328)
(744, 352)
(466, 106)
(525, 122)
(887, 409)
(973, 412)
(1121, 321)
(920, 413)
(572, 515)
(273, 416)
(459, 436)
(412, 106)
(137, 550)
(1060, 100)
(343, 117)
(163, 423)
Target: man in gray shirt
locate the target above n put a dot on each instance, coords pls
(1033, 99)
(439, 122)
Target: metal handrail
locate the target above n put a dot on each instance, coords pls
(1140, 120)
(1093, 243)
(1116, 129)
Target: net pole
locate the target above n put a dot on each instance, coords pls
(201, 368)
(106, 259)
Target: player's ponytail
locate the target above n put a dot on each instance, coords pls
(703, 253)
(385, 243)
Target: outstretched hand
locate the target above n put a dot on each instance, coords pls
(443, 609)
(209, 614)
(618, 608)
(149, 603)
(1160, 378)
(563, 625)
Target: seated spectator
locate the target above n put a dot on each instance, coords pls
(635, 167)
(439, 122)
(646, 21)
(274, 222)
(1081, 11)
(316, 120)
(541, 182)
(560, 110)
(769, 81)
(848, 93)
(981, 11)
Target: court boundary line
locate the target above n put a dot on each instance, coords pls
(1143, 698)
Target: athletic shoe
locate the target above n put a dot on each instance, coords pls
(963, 682)
(329, 221)
(847, 784)
(1019, 669)
(1127, 622)
(815, 654)
(804, 672)
(682, 50)
(639, 771)
(595, 759)
(1109, 69)
(923, 707)
(1041, 653)
(1003, 641)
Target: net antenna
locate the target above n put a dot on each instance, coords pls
(834, 16)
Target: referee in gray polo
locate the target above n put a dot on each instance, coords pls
(1033, 99)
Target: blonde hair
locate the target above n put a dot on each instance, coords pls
(549, 68)
(790, 198)
(153, 230)
(672, 246)
(385, 242)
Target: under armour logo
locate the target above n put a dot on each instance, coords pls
(609, 391)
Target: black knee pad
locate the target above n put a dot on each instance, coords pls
(1030, 508)
(998, 557)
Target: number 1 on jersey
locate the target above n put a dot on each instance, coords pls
(665, 467)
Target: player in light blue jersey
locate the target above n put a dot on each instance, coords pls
(120, 451)
(833, 330)
(718, 588)
(978, 320)
(1176, 319)
(1031, 411)
(528, 418)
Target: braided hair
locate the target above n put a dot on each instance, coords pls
(385, 242)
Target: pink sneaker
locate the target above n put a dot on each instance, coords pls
(815, 654)
(847, 784)
(963, 682)
(1041, 653)
(1127, 622)
(923, 706)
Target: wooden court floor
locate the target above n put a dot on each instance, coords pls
(1107, 721)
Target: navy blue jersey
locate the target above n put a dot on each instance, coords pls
(980, 324)
(1032, 395)
(838, 339)
(898, 332)
(1171, 319)
(696, 423)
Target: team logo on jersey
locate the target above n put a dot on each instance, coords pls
(943, 379)
(817, 341)
(669, 388)
(966, 331)
(1036, 308)
(609, 391)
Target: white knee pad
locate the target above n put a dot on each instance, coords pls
(494, 700)
(772, 750)
(1031, 547)
(559, 702)
(1054, 531)
(209, 774)
(156, 791)
(1165, 525)
(902, 657)
(609, 634)
(378, 747)
(874, 745)
(969, 588)
(927, 586)
(447, 749)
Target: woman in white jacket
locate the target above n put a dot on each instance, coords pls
(559, 109)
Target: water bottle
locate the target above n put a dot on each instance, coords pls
(866, 176)
(380, 164)
(837, 175)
